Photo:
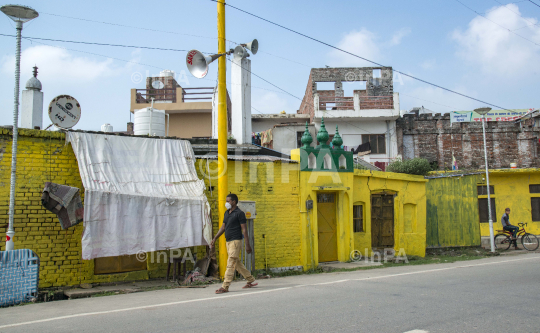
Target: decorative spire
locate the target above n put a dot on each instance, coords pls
(322, 136)
(306, 138)
(35, 71)
(337, 141)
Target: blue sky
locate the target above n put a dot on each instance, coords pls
(437, 40)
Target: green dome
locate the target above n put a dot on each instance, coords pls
(337, 141)
(306, 138)
(322, 136)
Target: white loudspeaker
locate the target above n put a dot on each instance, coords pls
(240, 52)
(197, 63)
(253, 46)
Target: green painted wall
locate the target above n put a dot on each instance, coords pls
(452, 212)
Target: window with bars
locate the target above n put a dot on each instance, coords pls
(358, 218)
(377, 142)
(483, 210)
(535, 188)
(535, 209)
(325, 197)
(482, 190)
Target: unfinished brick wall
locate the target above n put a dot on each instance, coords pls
(434, 138)
(375, 87)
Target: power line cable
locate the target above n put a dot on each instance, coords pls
(127, 26)
(517, 14)
(359, 57)
(163, 31)
(101, 44)
(503, 27)
(534, 3)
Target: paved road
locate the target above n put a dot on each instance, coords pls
(490, 295)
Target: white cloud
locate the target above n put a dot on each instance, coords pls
(362, 43)
(496, 50)
(56, 64)
(398, 36)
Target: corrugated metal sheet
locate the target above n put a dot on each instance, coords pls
(452, 212)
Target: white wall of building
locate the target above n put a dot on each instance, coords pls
(285, 137)
(31, 109)
(351, 132)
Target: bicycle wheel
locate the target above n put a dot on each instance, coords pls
(502, 242)
(529, 242)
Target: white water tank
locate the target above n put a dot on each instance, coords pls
(149, 121)
(106, 128)
(166, 73)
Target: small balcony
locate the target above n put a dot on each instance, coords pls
(175, 100)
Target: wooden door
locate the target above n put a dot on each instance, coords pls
(326, 222)
(382, 221)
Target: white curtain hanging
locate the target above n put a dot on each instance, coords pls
(141, 194)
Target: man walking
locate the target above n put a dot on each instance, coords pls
(234, 226)
(505, 221)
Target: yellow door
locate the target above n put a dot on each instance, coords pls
(326, 222)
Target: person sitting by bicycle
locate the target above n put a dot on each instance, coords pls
(505, 221)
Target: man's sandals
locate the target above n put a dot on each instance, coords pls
(247, 286)
(222, 291)
(250, 285)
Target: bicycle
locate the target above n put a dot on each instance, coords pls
(503, 240)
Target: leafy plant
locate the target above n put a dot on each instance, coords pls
(415, 166)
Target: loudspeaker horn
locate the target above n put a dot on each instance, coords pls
(240, 52)
(197, 63)
(253, 46)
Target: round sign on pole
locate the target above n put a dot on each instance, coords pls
(64, 111)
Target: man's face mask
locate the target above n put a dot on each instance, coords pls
(228, 205)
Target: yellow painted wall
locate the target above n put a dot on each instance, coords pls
(43, 156)
(512, 190)
(315, 182)
(409, 209)
(356, 188)
(275, 189)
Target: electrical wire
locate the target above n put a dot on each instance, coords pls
(360, 57)
(100, 44)
(517, 14)
(127, 26)
(534, 3)
(505, 28)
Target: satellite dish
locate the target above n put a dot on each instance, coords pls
(64, 111)
(240, 52)
(253, 46)
(157, 84)
(197, 63)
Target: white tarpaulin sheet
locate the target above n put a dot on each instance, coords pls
(141, 194)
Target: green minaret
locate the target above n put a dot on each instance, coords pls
(322, 136)
(306, 138)
(337, 141)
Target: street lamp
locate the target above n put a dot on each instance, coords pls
(19, 14)
(483, 112)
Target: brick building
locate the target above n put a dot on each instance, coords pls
(436, 139)
(361, 101)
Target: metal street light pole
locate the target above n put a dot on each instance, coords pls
(19, 14)
(483, 112)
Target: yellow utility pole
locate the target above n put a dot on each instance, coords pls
(223, 182)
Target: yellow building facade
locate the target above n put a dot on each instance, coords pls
(517, 189)
(303, 217)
